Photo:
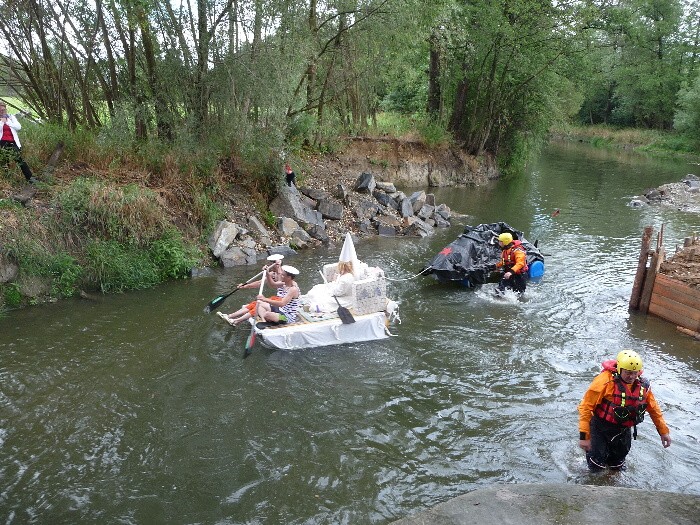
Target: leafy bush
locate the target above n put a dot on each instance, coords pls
(269, 218)
(12, 295)
(36, 256)
(433, 133)
(687, 119)
(172, 258)
(65, 273)
(205, 211)
(116, 268)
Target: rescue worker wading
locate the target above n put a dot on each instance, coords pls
(513, 263)
(611, 409)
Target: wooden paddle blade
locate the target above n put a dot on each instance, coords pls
(345, 315)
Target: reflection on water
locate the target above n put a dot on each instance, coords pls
(138, 408)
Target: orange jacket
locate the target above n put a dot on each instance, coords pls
(603, 386)
(514, 257)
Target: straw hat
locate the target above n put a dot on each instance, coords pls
(290, 270)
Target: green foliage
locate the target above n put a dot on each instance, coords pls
(687, 120)
(300, 131)
(601, 142)
(632, 68)
(65, 273)
(129, 214)
(172, 257)
(394, 124)
(116, 268)
(269, 218)
(11, 294)
(77, 143)
(206, 211)
(433, 133)
(62, 270)
(8, 204)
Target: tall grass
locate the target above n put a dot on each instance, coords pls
(658, 143)
(128, 214)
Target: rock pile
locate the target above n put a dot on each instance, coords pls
(304, 217)
(684, 195)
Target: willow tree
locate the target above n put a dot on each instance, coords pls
(504, 69)
(648, 75)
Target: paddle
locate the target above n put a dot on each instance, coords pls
(344, 314)
(215, 303)
(251, 338)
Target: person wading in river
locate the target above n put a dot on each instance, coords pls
(513, 263)
(614, 403)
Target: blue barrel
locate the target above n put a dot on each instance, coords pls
(536, 271)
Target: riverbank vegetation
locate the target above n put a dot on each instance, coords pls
(162, 112)
(662, 144)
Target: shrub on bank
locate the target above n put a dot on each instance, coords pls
(124, 213)
(97, 236)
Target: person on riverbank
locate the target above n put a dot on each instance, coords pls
(10, 146)
(513, 264)
(246, 311)
(290, 176)
(284, 309)
(613, 405)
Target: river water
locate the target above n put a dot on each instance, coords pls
(138, 408)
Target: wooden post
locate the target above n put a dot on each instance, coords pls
(657, 258)
(641, 268)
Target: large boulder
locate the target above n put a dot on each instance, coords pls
(330, 209)
(288, 203)
(222, 237)
(238, 256)
(365, 183)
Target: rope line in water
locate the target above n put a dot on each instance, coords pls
(412, 277)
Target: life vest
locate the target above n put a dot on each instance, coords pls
(508, 256)
(625, 408)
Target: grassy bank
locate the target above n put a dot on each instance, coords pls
(112, 216)
(662, 144)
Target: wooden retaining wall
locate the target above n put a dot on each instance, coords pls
(663, 296)
(676, 302)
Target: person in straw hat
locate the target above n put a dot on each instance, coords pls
(283, 309)
(246, 311)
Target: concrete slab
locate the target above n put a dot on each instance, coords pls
(549, 504)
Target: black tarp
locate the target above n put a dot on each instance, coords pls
(472, 257)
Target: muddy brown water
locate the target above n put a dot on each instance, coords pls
(138, 408)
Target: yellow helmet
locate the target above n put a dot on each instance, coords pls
(505, 238)
(629, 360)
